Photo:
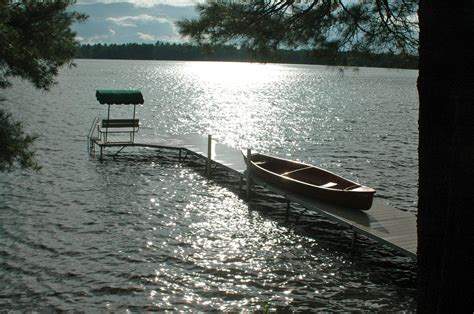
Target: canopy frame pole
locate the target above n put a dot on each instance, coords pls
(108, 118)
(133, 133)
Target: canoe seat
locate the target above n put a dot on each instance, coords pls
(260, 162)
(296, 170)
(328, 185)
(352, 187)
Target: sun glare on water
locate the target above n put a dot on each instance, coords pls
(235, 96)
(233, 73)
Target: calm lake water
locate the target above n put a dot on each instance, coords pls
(143, 232)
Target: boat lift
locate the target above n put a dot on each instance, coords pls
(106, 132)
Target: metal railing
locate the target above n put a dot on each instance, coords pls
(90, 136)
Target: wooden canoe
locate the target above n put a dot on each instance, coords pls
(311, 181)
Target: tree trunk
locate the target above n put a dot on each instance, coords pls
(446, 157)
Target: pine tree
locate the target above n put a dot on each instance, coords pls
(36, 40)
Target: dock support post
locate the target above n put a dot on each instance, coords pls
(287, 209)
(179, 156)
(209, 156)
(247, 173)
(354, 238)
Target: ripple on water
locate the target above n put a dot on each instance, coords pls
(144, 233)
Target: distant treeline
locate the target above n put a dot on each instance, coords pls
(166, 51)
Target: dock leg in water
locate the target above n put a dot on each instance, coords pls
(287, 209)
(118, 152)
(209, 157)
(247, 174)
(354, 238)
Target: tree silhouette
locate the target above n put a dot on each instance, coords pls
(36, 40)
(168, 51)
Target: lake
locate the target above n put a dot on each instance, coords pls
(143, 232)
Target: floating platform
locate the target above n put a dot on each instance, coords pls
(382, 223)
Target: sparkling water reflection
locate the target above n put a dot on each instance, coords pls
(143, 232)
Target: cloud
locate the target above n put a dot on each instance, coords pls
(134, 21)
(146, 37)
(146, 3)
(124, 22)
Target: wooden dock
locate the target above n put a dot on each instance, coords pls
(382, 223)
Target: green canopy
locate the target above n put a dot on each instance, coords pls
(119, 97)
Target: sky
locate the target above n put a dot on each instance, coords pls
(141, 21)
